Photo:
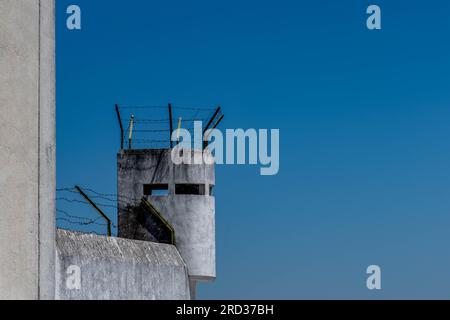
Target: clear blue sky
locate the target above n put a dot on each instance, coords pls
(364, 119)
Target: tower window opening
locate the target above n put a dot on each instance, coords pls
(190, 189)
(211, 190)
(156, 189)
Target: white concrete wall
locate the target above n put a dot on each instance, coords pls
(118, 269)
(27, 149)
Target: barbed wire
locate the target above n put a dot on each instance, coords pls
(98, 195)
(142, 107)
(70, 216)
(83, 221)
(151, 126)
(85, 202)
(122, 201)
(67, 215)
(174, 107)
(148, 120)
(152, 130)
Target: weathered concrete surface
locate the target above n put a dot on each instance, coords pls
(120, 269)
(47, 150)
(27, 149)
(192, 216)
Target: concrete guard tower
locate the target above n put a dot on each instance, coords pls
(183, 196)
(161, 201)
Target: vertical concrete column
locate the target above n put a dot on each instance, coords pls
(27, 149)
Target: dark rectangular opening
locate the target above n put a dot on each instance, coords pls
(156, 189)
(211, 190)
(193, 189)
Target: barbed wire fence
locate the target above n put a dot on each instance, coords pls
(76, 213)
(151, 126)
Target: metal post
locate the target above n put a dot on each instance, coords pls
(121, 126)
(171, 125)
(130, 136)
(108, 221)
(211, 120)
(179, 128)
(205, 139)
(218, 122)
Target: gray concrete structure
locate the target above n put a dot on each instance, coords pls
(115, 268)
(191, 215)
(27, 149)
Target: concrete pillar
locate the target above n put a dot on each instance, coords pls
(27, 149)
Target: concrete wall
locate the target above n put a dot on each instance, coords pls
(192, 216)
(119, 269)
(27, 149)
